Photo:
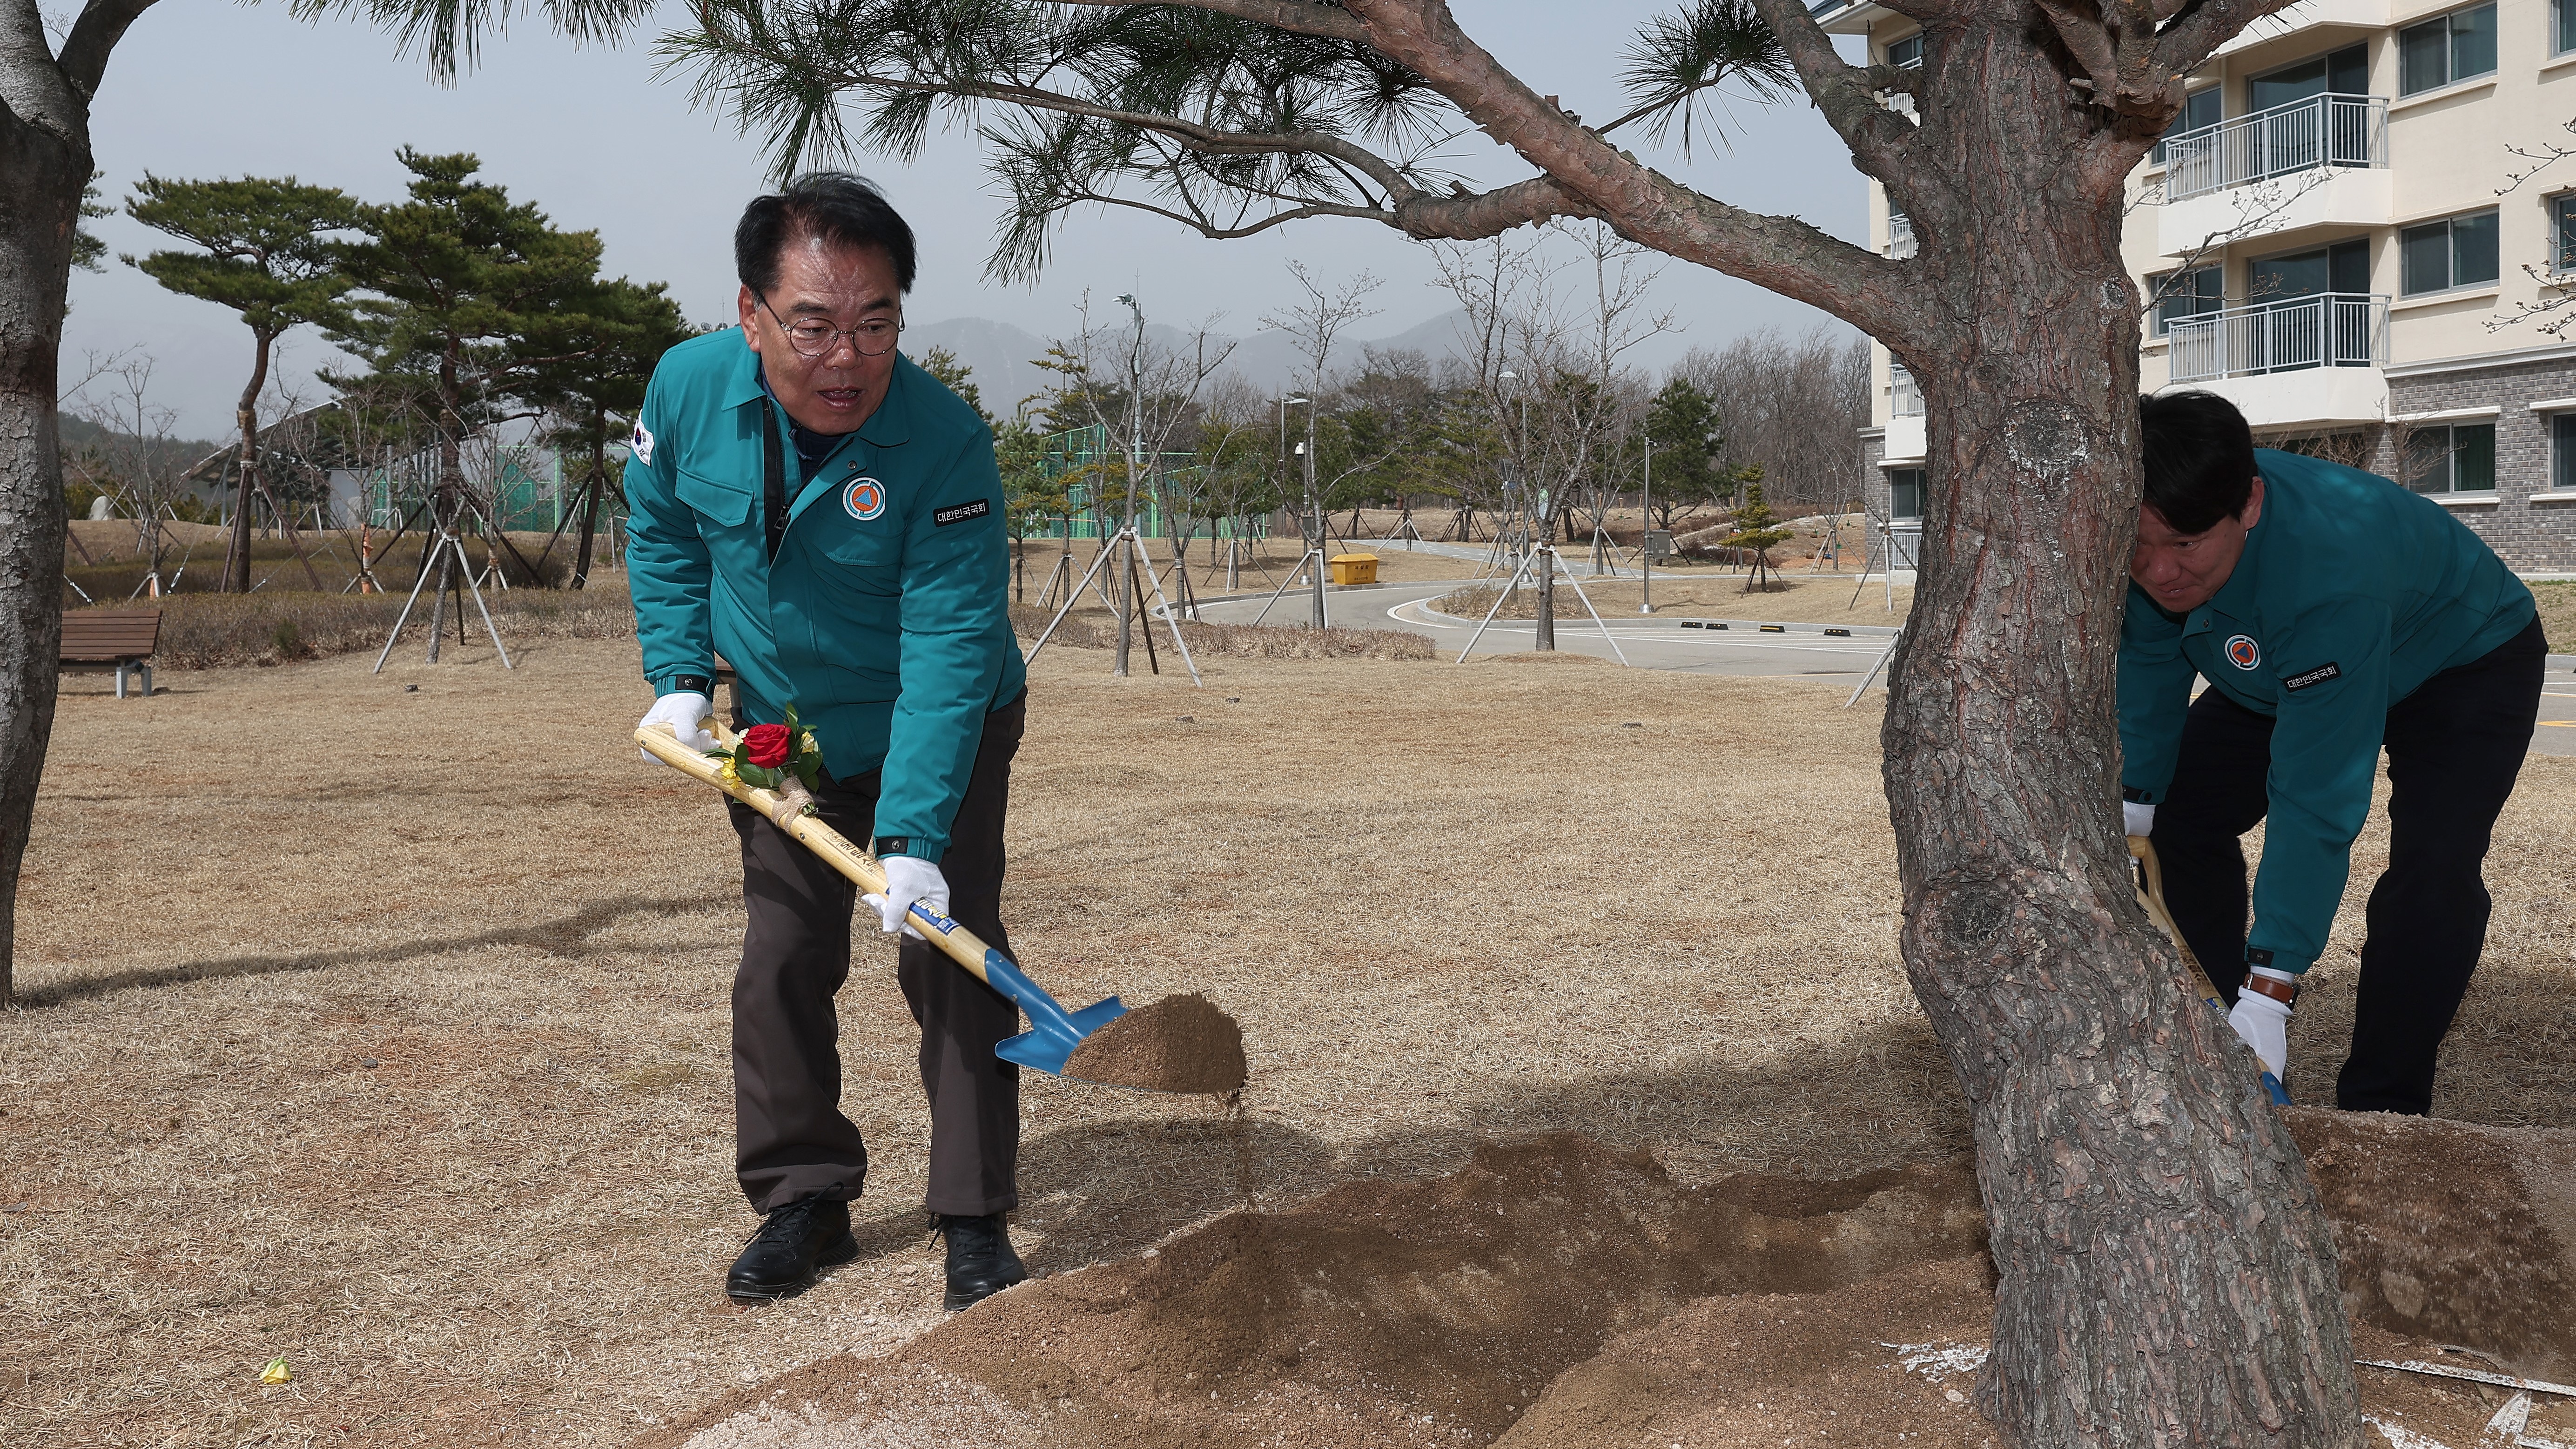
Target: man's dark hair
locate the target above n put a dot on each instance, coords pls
(841, 209)
(2200, 459)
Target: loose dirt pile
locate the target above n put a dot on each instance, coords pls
(1559, 1295)
(1177, 1044)
(2454, 1233)
(1416, 1314)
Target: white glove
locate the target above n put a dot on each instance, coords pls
(681, 712)
(2265, 1025)
(908, 880)
(2141, 819)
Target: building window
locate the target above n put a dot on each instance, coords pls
(2457, 252)
(2452, 458)
(1906, 54)
(2562, 227)
(2562, 26)
(1900, 234)
(2447, 50)
(1904, 399)
(2562, 453)
(2185, 295)
(2200, 112)
(1904, 493)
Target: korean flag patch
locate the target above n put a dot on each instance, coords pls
(643, 445)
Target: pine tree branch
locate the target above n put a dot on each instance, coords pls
(1783, 254)
(2194, 29)
(101, 25)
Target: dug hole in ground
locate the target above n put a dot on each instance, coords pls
(1587, 1104)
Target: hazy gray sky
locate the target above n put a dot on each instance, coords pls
(202, 88)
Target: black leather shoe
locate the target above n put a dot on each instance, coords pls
(980, 1260)
(793, 1244)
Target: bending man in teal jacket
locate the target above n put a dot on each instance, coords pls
(2333, 614)
(829, 518)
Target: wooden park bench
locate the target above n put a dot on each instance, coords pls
(118, 639)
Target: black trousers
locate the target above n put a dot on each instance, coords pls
(2454, 747)
(791, 1139)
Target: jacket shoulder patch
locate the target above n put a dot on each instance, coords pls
(961, 512)
(2308, 677)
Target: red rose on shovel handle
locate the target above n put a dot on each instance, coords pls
(766, 745)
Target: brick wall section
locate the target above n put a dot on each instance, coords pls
(2533, 537)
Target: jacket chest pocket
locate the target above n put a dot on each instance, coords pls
(717, 502)
(867, 559)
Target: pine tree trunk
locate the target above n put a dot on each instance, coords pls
(41, 176)
(2167, 1276)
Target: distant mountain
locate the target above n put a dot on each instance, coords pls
(80, 432)
(1002, 357)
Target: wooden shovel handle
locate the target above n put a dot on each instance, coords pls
(962, 945)
(2143, 851)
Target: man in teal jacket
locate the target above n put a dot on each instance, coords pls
(2333, 614)
(828, 517)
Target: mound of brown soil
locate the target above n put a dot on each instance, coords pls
(1558, 1295)
(2455, 1233)
(1178, 1044)
(1414, 1314)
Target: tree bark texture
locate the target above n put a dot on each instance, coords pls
(42, 170)
(2167, 1275)
(246, 417)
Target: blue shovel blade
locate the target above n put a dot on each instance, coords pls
(2280, 1094)
(1048, 1047)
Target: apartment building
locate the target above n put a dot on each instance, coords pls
(2346, 228)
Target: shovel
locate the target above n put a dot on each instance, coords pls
(2153, 898)
(1053, 1031)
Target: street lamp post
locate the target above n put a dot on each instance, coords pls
(1646, 537)
(1135, 462)
(1310, 523)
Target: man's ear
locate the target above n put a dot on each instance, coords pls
(750, 308)
(2252, 512)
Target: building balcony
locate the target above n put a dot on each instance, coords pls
(2311, 165)
(1905, 433)
(2302, 361)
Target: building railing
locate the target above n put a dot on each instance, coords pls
(2328, 329)
(1904, 394)
(1900, 235)
(2326, 130)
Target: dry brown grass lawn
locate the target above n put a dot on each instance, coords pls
(2557, 600)
(385, 1030)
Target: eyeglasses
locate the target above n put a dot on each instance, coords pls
(814, 337)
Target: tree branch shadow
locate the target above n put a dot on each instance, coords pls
(565, 936)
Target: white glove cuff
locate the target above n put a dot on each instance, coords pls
(2256, 1003)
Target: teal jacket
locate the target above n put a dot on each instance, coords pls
(2351, 593)
(885, 617)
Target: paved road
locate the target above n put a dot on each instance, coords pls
(1663, 642)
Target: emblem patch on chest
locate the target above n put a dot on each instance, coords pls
(2243, 652)
(863, 498)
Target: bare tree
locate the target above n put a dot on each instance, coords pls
(1795, 407)
(133, 461)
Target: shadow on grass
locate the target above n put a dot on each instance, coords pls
(565, 936)
(1882, 1097)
